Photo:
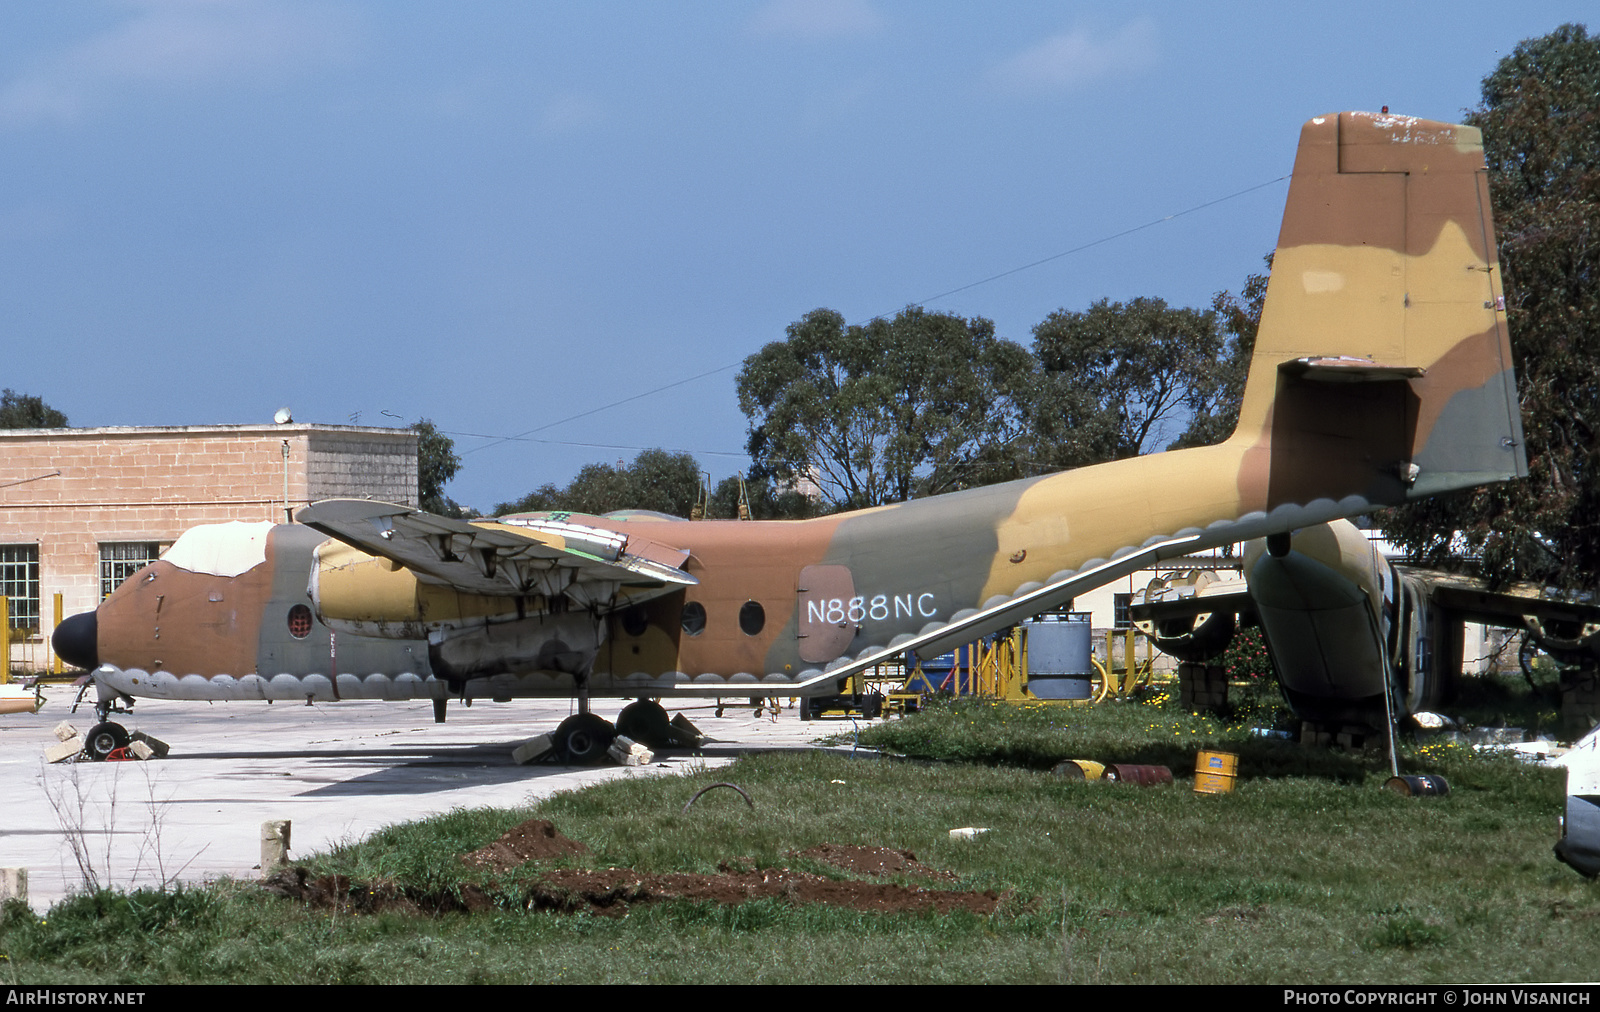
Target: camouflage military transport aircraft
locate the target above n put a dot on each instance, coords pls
(1381, 374)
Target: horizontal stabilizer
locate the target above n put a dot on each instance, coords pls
(1347, 369)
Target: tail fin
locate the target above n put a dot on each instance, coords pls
(1382, 366)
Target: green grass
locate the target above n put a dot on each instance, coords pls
(1308, 872)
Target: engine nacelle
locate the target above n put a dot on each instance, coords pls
(1189, 634)
(1319, 600)
(365, 595)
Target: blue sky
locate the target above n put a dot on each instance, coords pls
(503, 215)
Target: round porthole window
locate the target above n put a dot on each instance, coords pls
(635, 621)
(694, 618)
(299, 621)
(752, 617)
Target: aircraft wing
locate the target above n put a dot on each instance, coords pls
(1514, 606)
(505, 558)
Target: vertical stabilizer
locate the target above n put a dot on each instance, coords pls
(1382, 366)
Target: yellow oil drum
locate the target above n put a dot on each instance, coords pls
(1214, 772)
(1080, 769)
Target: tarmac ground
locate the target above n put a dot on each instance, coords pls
(337, 771)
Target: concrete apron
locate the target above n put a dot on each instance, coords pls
(337, 771)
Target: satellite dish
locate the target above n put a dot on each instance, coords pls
(283, 417)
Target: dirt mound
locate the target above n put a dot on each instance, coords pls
(871, 860)
(613, 891)
(533, 840)
(339, 892)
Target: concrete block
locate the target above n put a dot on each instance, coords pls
(532, 749)
(687, 733)
(63, 752)
(65, 732)
(627, 752)
(157, 747)
(274, 845)
(139, 750)
(13, 884)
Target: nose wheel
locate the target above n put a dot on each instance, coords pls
(103, 739)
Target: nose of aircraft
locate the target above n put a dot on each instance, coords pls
(76, 640)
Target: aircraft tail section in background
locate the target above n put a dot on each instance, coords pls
(1382, 366)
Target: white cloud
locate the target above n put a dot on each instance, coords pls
(1074, 57)
(816, 20)
(176, 44)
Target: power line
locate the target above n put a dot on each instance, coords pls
(497, 440)
(604, 407)
(1098, 242)
(596, 446)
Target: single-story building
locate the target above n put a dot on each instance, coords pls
(82, 509)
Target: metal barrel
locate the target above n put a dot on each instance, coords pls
(1428, 785)
(1214, 772)
(1080, 769)
(1144, 776)
(1060, 656)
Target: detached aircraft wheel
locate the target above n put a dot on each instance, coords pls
(585, 737)
(104, 739)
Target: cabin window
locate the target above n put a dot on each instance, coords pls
(694, 618)
(635, 621)
(299, 621)
(752, 617)
(121, 559)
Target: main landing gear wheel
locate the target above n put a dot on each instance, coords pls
(646, 722)
(104, 739)
(584, 737)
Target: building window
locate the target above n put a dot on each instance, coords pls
(1120, 617)
(121, 559)
(19, 581)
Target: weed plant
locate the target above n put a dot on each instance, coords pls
(1309, 871)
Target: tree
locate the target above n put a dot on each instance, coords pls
(656, 480)
(1118, 378)
(885, 411)
(437, 463)
(1540, 117)
(25, 411)
(766, 501)
(1216, 402)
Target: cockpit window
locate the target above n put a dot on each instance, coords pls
(221, 549)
